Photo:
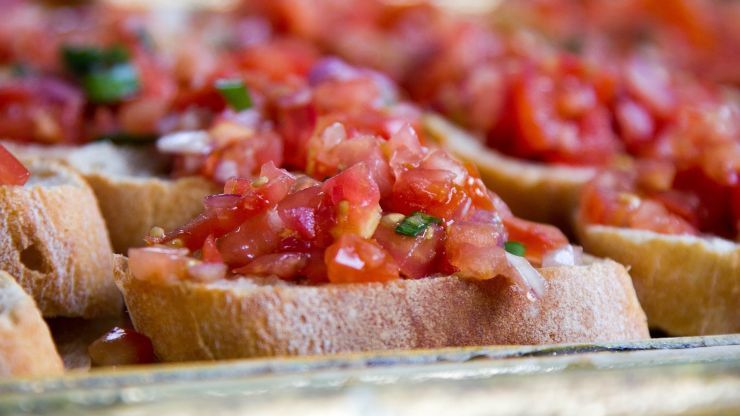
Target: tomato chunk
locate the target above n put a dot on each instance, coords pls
(418, 256)
(475, 250)
(352, 259)
(12, 171)
(537, 238)
(121, 346)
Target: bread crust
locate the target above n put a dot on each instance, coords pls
(687, 285)
(251, 317)
(54, 241)
(131, 206)
(26, 347)
(132, 193)
(535, 191)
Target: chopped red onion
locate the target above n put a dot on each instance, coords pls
(527, 277)
(196, 142)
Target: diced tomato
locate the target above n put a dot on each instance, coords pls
(347, 96)
(244, 156)
(254, 237)
(12, 171)
(296, 120)
(714, 211)
(316, 270)
(546, 134)
(158, 264)
(610, 199)
(475, 250)
(43, 109)
(356, 197)
(432, 191)
(537, 238)
(417, 257)
(352, 259)
(121, 346)
(287, 266)
(210, 252)
(299, 211)
(278, 183)
(650, 84)
(280, 60)
(635, 123)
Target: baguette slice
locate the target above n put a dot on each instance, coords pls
(54, 241)
(130, 186)
(26, 347)
(257, 317)
(535, 191)
(688, 285)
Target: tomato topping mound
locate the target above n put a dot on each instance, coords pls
(12, 172)
(371, 209)
(657, 197)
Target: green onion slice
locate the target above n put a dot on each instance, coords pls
(514, 247)
(416, 223)
(112, 84)
(235, 93)
(106, 74)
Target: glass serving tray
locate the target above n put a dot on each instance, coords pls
(697, 375)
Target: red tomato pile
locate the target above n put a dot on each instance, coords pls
(367, 172)
(41, 100)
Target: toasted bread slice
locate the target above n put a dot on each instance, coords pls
(26, 347)
(130, 186)
(54, 241)
(251, 317)
(688, 285)
(535, 191)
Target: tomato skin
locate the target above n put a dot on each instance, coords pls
(121, 346)
(12, 171)
(158, 264)
(300, 210)
(537, 238)
(286, 266)
(356, 199)
(296, 121)
(475, 250)
(254, 237)
(418, 256)
(210, 253)
(352, 259)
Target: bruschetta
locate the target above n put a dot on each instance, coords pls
(383, 243)
(54, 241)
(679, 242)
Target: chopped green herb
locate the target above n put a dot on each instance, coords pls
(514, 247)
(235, 93)
(105, 73)
(415, 224)
(111, 85)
